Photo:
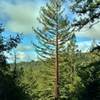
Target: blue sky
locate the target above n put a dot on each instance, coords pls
(21, 16)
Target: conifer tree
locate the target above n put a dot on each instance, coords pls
(70, 80)
(7, 84)
(52, 36)
(2, 57)
(88, 12)
(6, 44)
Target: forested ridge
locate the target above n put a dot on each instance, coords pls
(83, 83)
(61, 71)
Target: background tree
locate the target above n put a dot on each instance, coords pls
(6, 44)
(70, 82)
(9, 90)
(87, 11)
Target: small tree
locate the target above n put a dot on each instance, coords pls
(2, 57)
(6, 44)
(7, 84)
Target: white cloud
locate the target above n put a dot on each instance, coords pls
(23, 47)
(22, 56)
(22, 15)
(84, 46)
(92, 33)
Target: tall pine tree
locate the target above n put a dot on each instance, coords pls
(52, 36)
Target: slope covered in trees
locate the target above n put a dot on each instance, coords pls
(62, 72)
(82, 84)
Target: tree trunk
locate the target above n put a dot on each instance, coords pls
(56, 71)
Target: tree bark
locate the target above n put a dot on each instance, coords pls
(56, 71)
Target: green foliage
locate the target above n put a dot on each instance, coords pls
(54, 26)
(52, 37)
(79, 73)
(70, 82)
(37, 80)
(6, 44)
(79, 84)
(9, 90)
(88, 12)
(89, 71)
